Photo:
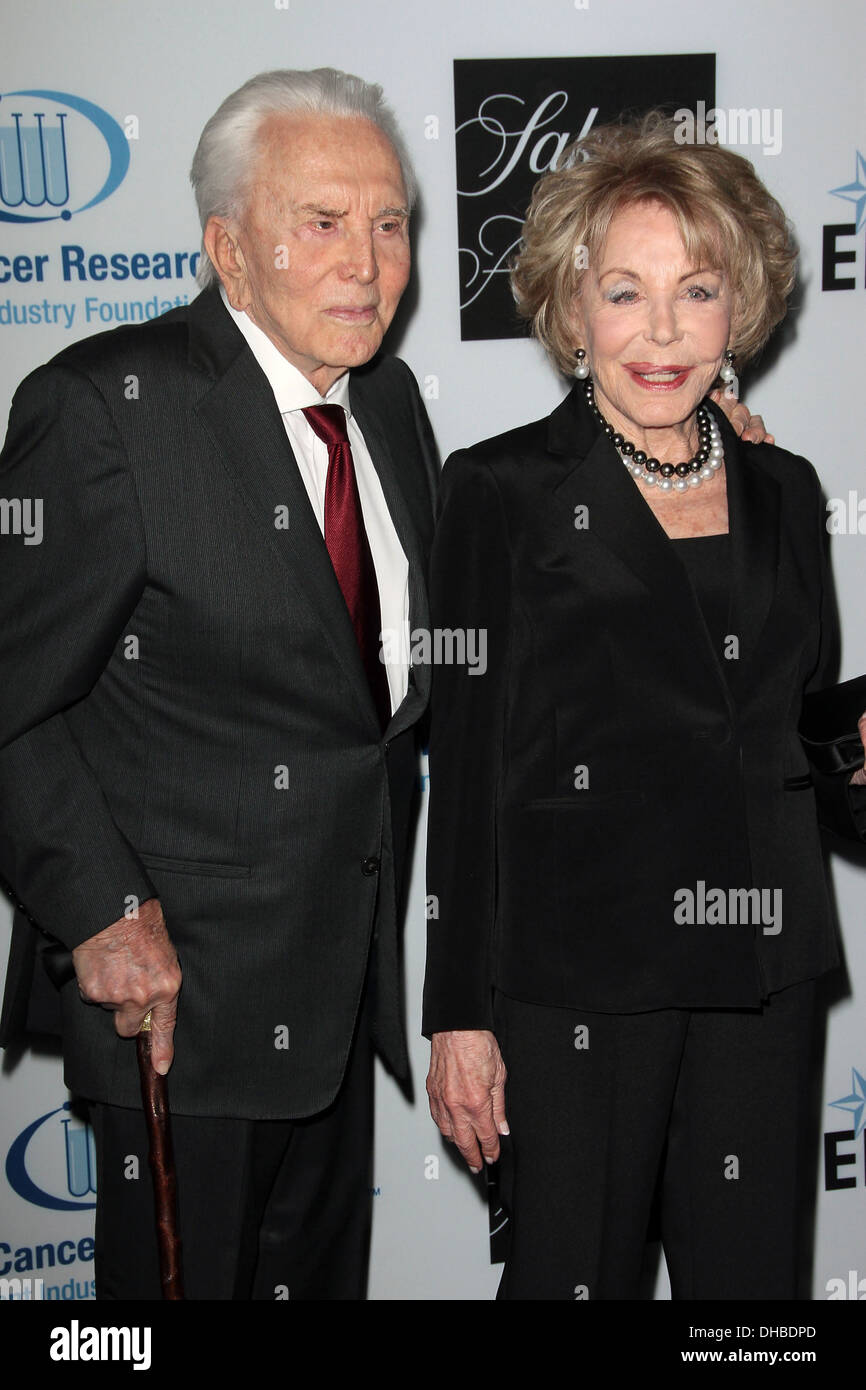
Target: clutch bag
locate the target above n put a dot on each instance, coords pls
(828, 727)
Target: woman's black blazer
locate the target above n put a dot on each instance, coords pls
(609, 757)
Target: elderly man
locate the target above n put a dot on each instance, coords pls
(206, 771)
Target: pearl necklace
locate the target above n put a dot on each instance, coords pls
(667, 477)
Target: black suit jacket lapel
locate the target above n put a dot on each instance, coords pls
(240, 414)
(620, 519)
(754, 521)
(370, 410)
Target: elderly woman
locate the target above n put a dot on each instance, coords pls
(632, 911)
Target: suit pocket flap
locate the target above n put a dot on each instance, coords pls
(204, 867)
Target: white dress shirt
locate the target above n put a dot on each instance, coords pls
(293, 395)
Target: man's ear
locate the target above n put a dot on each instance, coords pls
(221, 244)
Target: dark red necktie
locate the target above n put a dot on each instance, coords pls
(349, 548)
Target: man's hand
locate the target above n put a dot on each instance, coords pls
(466, 1086)
(132, 967)
(859, 777)
(750, 427)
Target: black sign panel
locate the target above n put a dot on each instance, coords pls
(514, 117)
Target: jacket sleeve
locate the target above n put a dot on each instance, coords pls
(426, 440)
(470, 593)
(841, 807)
(66, 594)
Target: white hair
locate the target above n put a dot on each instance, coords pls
(225, 159)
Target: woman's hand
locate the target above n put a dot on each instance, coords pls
(859, 777)
(743, 422)
(466, 1086)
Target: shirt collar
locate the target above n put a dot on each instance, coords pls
(290, 387)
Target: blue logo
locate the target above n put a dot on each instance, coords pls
(855, 192)
(40, 1149)
(854, 1102)
(35, 140)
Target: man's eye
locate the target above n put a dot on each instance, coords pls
(392, 226)
(322, 224)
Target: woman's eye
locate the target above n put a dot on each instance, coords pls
(623, 296)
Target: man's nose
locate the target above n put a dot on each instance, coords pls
(359, 260)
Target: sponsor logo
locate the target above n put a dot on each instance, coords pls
(514, 117)
(54, 1152)
(59, 155)
(837, 246)
(841, 1145)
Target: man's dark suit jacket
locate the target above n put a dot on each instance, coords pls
(561, 890)
(184, 711)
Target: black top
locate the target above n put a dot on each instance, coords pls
(604, 761)
(708, 563)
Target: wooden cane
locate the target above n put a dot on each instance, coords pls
(154, 1097)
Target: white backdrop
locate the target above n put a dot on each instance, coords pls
(167, 66)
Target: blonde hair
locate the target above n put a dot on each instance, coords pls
(725, 215)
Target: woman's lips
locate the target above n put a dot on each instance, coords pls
(653, 377)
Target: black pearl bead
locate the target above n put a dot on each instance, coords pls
(651, 465)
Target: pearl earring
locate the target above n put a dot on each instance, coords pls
(726, 371)
(581, 371)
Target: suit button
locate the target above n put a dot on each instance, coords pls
(370, 866)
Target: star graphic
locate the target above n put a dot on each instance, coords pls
(856, 1102)
(855, 192)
